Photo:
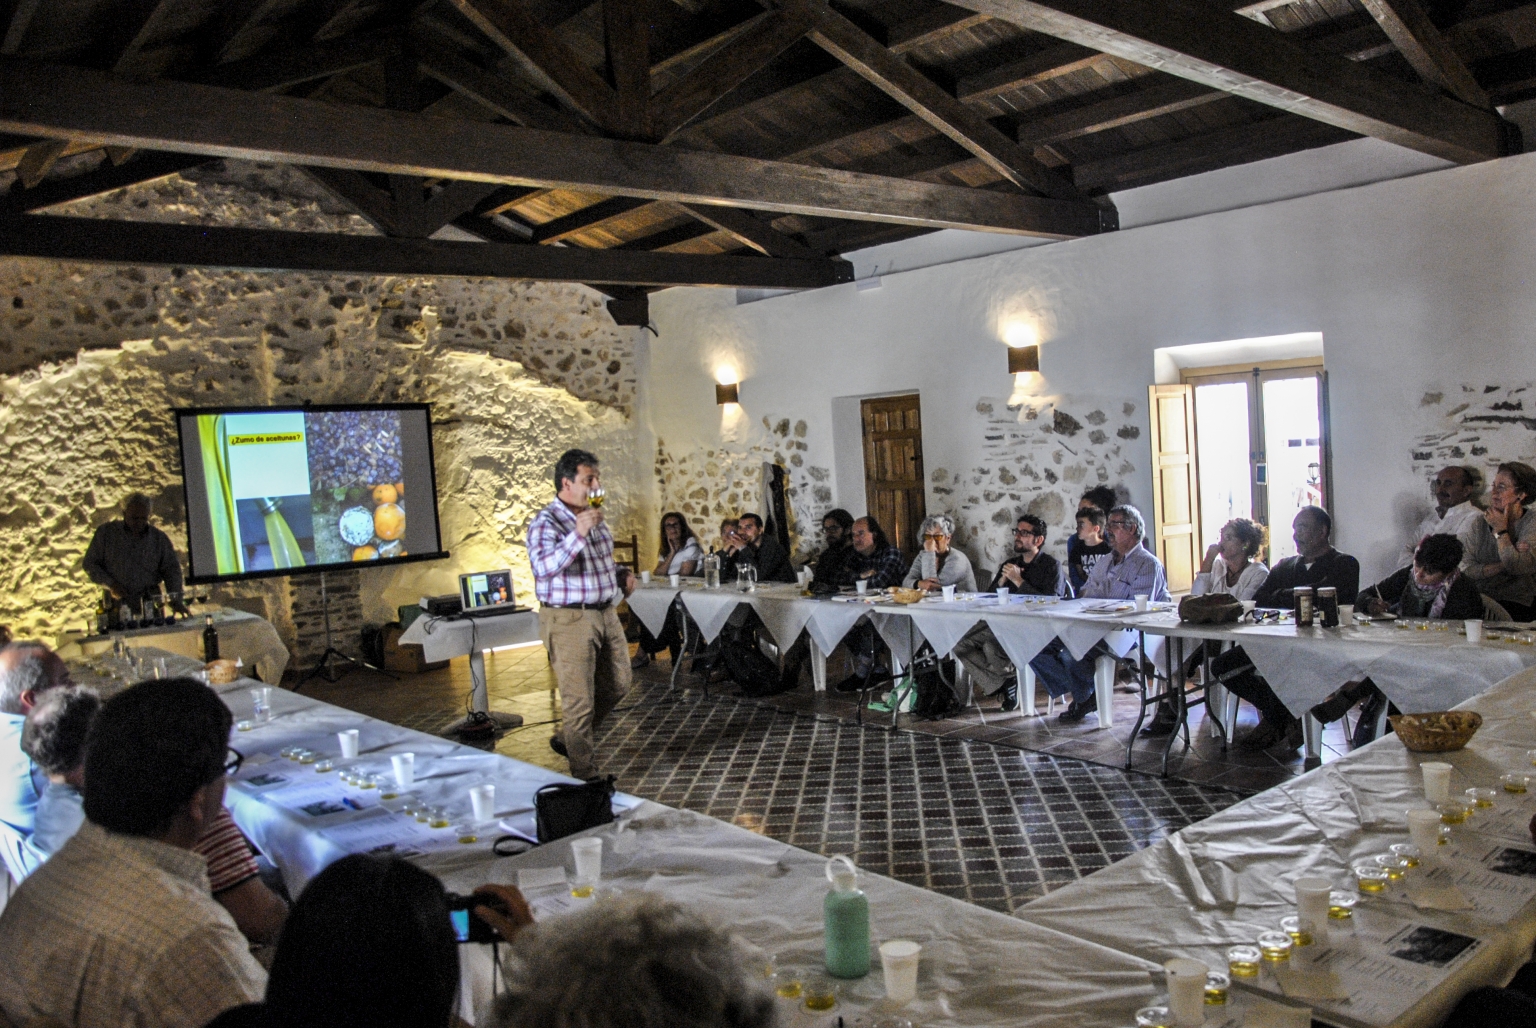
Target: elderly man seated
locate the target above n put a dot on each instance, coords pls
(28, 672)
(1030, 571)
(118, 927)
(1129, 571)
(938, 564)
(1316, 564)
(1455, 489)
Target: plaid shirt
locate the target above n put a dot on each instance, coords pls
(568, 569)
(887, 564)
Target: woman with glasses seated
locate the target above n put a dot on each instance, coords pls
(939, 564)
(680, 555)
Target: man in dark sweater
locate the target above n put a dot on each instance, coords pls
(1027, 571)
(829, 568)
(751, 545)
(1316, 564)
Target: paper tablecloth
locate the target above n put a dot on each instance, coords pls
(445, 638)
(242, 635)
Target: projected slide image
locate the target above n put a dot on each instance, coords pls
(356, 485)
(276, 532)
(256, 472)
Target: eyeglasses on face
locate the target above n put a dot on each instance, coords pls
(1116, 523)
(233, 758)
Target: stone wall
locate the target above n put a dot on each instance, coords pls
(1478, 424)
(93, 358)
(709, 485)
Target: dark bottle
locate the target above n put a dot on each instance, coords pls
(1328, 605)
(210, 639)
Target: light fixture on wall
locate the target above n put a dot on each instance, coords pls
(727, 393)
(1022, 359)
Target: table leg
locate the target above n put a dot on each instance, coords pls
(1028, 686)
(818, 667)
(682, 650)
(480, 697)
(1104, 689)
(1312, 736)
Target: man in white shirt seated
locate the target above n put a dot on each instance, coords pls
(118, 927)
(28, 672)
(1455, 489)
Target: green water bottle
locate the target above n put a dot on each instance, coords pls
(846, 913)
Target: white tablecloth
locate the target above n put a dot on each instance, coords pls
(1223, 880)
(246, 636)
(445, 638)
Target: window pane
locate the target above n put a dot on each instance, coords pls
(1292, 431)
(1221, 414)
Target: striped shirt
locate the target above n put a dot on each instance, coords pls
(228, 854)
(118, 930)
(568, 569)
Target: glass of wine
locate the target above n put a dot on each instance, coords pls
(596, 496)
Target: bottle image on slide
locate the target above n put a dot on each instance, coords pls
(285, 548)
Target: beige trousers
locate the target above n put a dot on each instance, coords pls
(590, 656)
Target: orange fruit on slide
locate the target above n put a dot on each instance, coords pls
(385, 493)
(365, 553)
(388, 521)
(400, 488)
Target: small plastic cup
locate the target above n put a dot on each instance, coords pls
(243, 726)
(898, 960)
(261, 704)
(820, 993)
(1437, 781)
(1515, 781)
(1154, 1017)
(1454, 812)
(1002, 594)
(1481, 798)
(1141, 600)
(348, 740)
(1243, 961)
(1299, 936)
(1370, 879)
(1424, 830)
(1530, 755)
(675, 581)
(323, 767)
(861, 586)
(1186, 990)
(788, 982)
(483, 799)
(1408, 851)
(1216, 986)
(1474, 630)
(1341, 905)
(948, 592)
(1394, 865)
(405, 769)
(588, 854)
(1275, 946)
(1312, 906)
(645, 577)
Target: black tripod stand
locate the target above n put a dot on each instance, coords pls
(327, 666)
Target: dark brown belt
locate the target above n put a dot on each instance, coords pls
(581, 606)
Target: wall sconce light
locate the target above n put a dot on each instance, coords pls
(727, 393)
(1022, 359)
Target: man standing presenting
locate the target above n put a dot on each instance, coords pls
(1454, 489)
(131, 557)
(579, 586)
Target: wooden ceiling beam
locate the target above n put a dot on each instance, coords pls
(145, 167)
(684, 233)
(566, 225)
(934, 25)
(141, 243)
(1050, 63)
(1407, 24)
(750, 230)
(38, 161)
(689, 96)
(285, 68)
(924, 98)
(1165, 97)
(17, 24)
(544, 56)
(491, 90)
(627, 44)
(375, 205)
(1188, 39)
(57, 102)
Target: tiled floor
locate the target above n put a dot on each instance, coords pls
(986, 823)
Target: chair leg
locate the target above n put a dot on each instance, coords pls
(1104, 689)
(1029, 692)
(1229, 717)
(1381, 720)
(1312, 741)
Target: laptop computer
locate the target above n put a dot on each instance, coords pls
(486, 592)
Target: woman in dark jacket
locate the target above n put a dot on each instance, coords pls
(1434, 588)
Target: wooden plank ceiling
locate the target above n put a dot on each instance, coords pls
(636, 144)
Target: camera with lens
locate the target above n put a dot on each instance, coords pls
(466, 926)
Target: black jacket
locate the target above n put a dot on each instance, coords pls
(1043, 576)
(1463, 601)
(831, 566)
(767, 556)
(1339, 570)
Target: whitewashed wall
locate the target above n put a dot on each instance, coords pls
(1419, 286)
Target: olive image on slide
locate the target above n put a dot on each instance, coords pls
(357, 487)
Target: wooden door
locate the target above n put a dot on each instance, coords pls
(1175, 514)
(893, 468)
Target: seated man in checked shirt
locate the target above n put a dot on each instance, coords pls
(1130, 570)
(118, 927)
(54, 734)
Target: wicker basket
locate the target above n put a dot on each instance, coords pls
(221, 672)
(1436, 733)
(899, 595)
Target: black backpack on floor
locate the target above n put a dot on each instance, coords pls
(745, 663)
(935, 698)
